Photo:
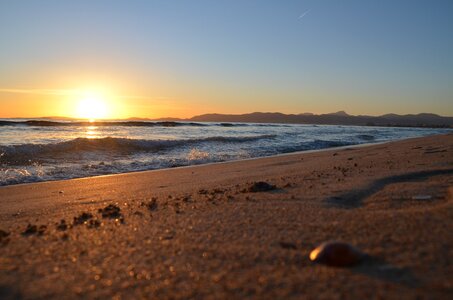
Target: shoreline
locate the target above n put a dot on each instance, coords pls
(203, 232)
(207, 164)
(229, 161)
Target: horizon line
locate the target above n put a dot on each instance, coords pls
(340, 113)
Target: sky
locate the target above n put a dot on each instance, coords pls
(154, 59)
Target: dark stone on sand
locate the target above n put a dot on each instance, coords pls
(202, 192)
(152, 205)
(82, 218)
(31, 229)
(93, 223)
(336, 254)
(110, 211)
(217, 191)
(62, 226)
(34, 229)
(3, 234)
(187, 198)
(261, 186)
(4, 237)
(42, 229)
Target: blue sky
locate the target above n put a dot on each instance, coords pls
(365, 57)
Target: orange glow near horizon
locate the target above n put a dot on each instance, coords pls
(94, 102)
(111, 100)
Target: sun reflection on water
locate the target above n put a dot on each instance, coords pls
(92, 132)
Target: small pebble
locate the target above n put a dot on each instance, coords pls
(4, 237)
(187, 198)
(152, 205)
(93, 223)
(110, 211)
(33, 229)
(336, 254)
(261, 186)
(82, 218)
(62, 226)
(3, 234)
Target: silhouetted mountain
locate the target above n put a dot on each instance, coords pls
(338, 118)
(339, 113)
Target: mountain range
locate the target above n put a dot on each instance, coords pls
(337, 118)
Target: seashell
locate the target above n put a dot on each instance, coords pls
(336, 254)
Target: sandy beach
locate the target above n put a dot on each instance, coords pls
(209, 232)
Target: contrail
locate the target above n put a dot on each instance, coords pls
(304, 14)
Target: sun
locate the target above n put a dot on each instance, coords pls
(92, 106)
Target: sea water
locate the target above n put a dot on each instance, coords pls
(42, 150)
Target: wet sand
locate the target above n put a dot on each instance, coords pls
(211, 232)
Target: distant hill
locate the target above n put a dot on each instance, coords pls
(339, 113)
(338, 118)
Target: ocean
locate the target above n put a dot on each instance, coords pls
(43, 150)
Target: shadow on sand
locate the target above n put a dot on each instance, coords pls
(354, 198)
(379, 269)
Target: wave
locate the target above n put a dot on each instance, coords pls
(232, 124)
(311, 145)
(321, 144)
(366, 137)
(30, 153)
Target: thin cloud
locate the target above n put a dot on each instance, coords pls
(75, 92)
(39, 91)
(304, 14)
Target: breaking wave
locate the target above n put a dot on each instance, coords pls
(29, 153)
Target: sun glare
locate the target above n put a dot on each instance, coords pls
(92, 107)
